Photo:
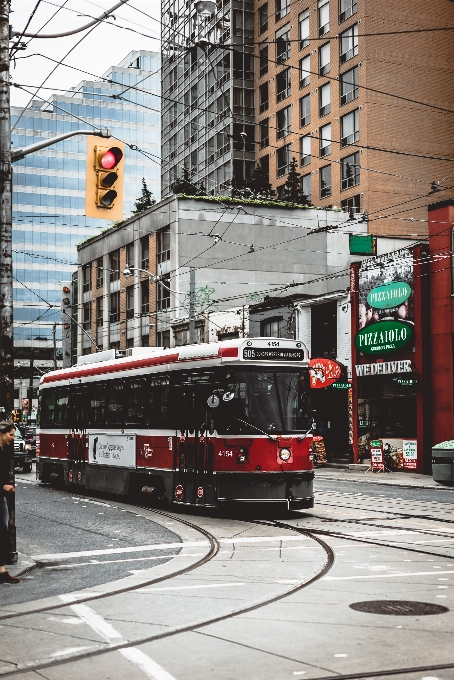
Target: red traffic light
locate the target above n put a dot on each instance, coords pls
(66, 289)
(111, 158)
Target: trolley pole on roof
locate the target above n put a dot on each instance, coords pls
(6, 264)
(191, 306)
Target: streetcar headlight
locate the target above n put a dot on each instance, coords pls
(285, 454)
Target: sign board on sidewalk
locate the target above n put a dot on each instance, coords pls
(377, 456)
(115, 450)
(410, 453)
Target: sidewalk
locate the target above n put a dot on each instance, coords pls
(391, 478)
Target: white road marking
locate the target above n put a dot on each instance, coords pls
(96, 622)
(208, 585)
(74, 620)
(406, 573)
(435, 540)
(94, 563)
(108, 632)
(147, 665)
(165, 546)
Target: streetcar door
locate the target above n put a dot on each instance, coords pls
(194, 452)
(77, 439)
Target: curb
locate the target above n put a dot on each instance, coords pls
(365, 480)
(23, 565)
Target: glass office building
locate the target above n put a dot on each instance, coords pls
(208, 94)
(49, 190)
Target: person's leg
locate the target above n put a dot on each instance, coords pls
(4, 518)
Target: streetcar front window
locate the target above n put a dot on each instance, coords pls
(272, 401)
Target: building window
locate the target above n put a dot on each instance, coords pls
(163, 339)
(324, 59)
(99, 273)
(273, 328)
(282, 8)
(323, 17)
(145, 341)
(349, 86)
(130, 302)
(145, 252)
(325, 140)
(305, 150)
(144, 297)
(306, 188)
(305, 74)
(305, 110)
(348, 44)
(304, 29)
(163, 245)
(283, 119)
(325, 99)
(346, 9)
(114, 307)
(350, 128)
(263, 97)
(99, 312)
(283, 44)
(263, 60)
(283, 85)
(86, 278)
(352, 204)
(264, 133)
(325, 181)
(163, 293)
(130, 255)
(86, 316)
(283, 160)
(263, 18)
(114, 266)
(324, 330)
(350, 171)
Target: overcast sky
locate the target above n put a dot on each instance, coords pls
(105, 46)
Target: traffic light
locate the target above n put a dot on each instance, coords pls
(104, 179)
(66, 309)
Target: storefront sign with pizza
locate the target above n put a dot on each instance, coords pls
(324, 372)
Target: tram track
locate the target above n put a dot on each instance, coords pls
(73, 658)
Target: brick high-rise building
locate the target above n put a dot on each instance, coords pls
(339, 81)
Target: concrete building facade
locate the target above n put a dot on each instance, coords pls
(240, 254)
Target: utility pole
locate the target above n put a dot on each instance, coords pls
(30, 385)
(54, 341)
(6, 264)
(191, 306)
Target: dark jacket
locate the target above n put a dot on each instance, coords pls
(6, 466)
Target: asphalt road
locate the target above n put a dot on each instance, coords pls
(50, 521)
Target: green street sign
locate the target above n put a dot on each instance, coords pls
(389, 295)
(341, 385)
(383, 337)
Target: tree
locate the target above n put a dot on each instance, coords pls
(258, 183)
(185, 185)
(293, 190)
(145, 201)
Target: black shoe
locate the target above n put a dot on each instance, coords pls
(7, 578)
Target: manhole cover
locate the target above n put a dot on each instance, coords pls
(398, 608)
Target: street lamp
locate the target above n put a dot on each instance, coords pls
(129, 271)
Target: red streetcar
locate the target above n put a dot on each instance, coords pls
(210, 424)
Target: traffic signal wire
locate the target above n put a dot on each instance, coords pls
(15, 48)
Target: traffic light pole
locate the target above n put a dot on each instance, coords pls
(6, 269)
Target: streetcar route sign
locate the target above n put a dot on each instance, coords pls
(273, 354)
(112, 449)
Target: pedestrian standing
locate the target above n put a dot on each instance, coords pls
(7, 431)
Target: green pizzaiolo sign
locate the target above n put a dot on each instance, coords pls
(383, 337)
(389, 295)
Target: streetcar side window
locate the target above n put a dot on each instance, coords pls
(96, 405)
(159, 411)
(55, 407)
(48, 407)
(136, 402)
(115, 403)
